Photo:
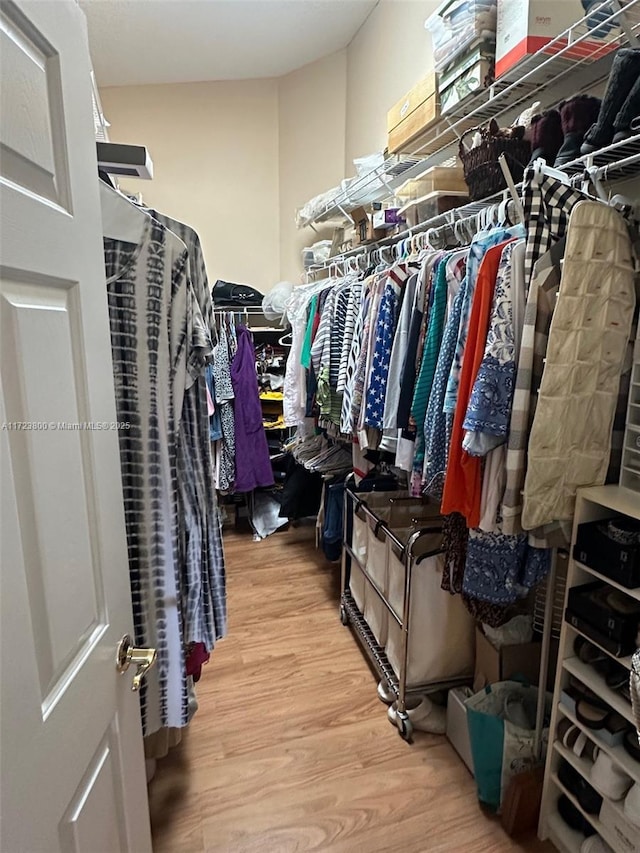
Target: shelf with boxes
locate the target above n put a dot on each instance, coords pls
(376, 185)
(422, 135)
(612, 163)
(592, 774)
(544, 67)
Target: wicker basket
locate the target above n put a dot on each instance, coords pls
(482, 171)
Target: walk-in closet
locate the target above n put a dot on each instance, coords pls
(320, 371)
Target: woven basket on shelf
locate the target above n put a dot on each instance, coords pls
(482, 171)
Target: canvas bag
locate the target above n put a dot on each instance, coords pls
(499, 748)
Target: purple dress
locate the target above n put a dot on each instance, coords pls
(253, 466)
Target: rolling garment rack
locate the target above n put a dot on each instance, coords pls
(416, 550)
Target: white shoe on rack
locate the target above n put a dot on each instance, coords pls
(424, 717)
(595, 844)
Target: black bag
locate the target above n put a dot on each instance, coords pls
(227, 293)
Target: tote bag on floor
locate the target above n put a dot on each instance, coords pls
(501, 748)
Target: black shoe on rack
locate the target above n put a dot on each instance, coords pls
(545, 135)
(629, 116)
(573, 817)
(578, 115)
(625, 72)
(576, 784)
(634, 130)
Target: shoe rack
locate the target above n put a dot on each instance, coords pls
(630, 473)
(610, 822)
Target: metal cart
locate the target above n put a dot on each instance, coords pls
(351, 614)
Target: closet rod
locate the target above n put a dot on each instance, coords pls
(435, 224)
(443, 220)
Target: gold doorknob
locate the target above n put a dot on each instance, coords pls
(143, 659)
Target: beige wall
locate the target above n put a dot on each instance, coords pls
(236, 159)
(312, 134)
(390, 53)
(215, 153)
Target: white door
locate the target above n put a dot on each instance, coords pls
(71, 747)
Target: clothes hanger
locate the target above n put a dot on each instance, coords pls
(121, 220)
(540, 169)
(503, 210)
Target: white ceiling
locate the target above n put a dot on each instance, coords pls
(181, 41)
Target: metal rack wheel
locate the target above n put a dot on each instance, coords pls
(344, 616)
(405, 726)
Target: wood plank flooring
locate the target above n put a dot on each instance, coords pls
(291, 749)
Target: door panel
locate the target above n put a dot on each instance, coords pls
(90, 815)
(51, 451)
(33, 150)
(70, 726)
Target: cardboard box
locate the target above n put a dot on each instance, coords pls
(481, 51)
(457, 728)
(474, 71)
(413, 114)
(620, 827)
(526, 26)
(467, 84)
(493, 665)
(388, 218)
(364, 232)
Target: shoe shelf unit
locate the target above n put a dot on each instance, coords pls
(380, 610)
(593, 504)
(630, 474)
(549, 75)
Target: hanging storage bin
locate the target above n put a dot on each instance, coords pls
(359, 536)
(440, 629)
(482, 170)
(357, 586)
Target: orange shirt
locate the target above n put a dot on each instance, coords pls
(463, 482)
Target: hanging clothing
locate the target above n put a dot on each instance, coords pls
(489, 410)
(253, 465)
(541, 301)
(439, 421)
(384, 334)
(226, 448)
(348, 407)
(432, 341)
(152, 312)
(463, 481)
(204, 584)
(353, 305)
(501, 569)
(571, 434)
(480, 244)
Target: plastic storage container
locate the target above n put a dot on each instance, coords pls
(457, 25)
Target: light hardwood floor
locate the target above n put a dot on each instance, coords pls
(291, 749)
